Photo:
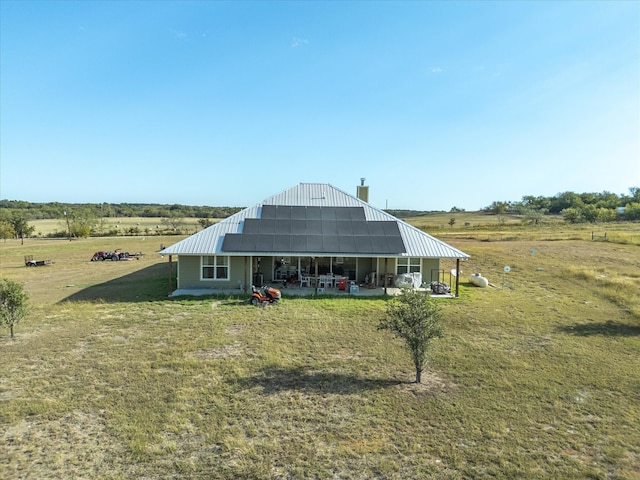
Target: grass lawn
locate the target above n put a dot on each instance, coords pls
(110, 379)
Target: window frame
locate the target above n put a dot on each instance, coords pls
(224, 263)
(410, 264)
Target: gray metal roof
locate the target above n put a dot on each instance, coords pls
(209, 241)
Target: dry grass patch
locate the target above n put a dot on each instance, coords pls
(76, 445)
(536, 380)
(223, 351)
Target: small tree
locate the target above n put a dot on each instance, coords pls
(81, 223)
(172, 221)
(572, 215)
(21, 227)
(205, 222)
(531, 216)
(632, 211)
(6, 230)
(415, 318)
(13, 303)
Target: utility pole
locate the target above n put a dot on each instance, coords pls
(68, 227)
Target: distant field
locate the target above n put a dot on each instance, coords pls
(477, 225)
(464, 221)
(110, 379)
(488, 227)
(440, 220)
(146, 225)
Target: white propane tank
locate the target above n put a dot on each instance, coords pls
(478, 280)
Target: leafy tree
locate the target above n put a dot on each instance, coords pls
(632, 211)
(531, 216)
(81, 222)
(572, 215)
(535, 203)
(173, 220)
(607, 200)
(589, 213)
(21, 226)
(452, 222)
(565, 200)
(606, 215)
(205, 222)
(13, 303)
(415, 318)
(499, 208)
(6, 229)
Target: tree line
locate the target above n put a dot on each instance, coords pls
(55, 210)
(575, 207)
(88, 219)
(84, 220)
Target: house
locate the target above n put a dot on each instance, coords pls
(302, 234)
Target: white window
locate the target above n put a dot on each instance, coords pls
(408, 265)
(215, 267)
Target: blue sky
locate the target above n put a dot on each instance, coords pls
(436, 104)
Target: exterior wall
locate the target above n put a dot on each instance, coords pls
(189, 273)
(237, 272)
(429, 265)
(364, 267)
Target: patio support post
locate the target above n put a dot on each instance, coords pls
(246, 273)
(457, 276)
(170, 273)
(385, 275)
(315, 261)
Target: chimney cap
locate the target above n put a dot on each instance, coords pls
(362, 181)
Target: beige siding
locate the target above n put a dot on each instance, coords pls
(429, 265)
(237, 265)
(189, 273)
(365, 267)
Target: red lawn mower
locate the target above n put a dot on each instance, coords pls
(265, 295)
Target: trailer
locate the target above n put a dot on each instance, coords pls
(29, 261)
(116, 255)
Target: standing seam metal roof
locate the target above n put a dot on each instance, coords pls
(209, 241)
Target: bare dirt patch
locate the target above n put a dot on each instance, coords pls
(233, 330)
(431, 384)
(223, 351)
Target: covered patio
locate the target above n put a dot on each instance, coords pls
(298, 291)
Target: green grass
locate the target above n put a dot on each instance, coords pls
(109, 379)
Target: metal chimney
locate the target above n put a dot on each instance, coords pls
(362, 191)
